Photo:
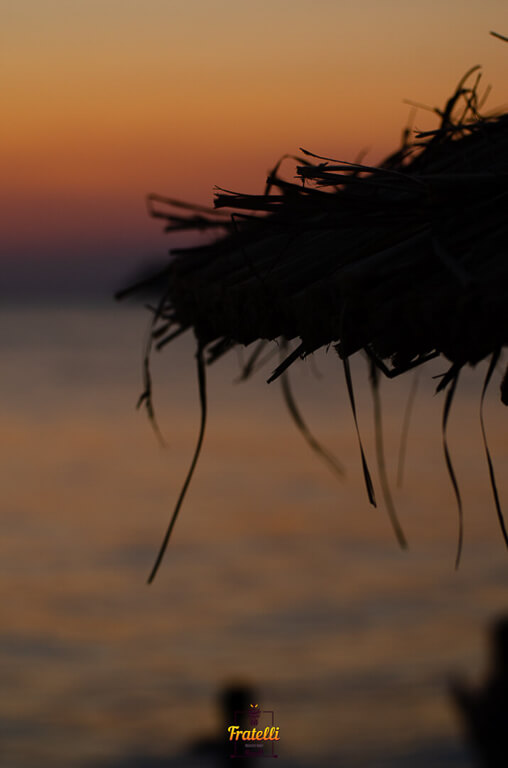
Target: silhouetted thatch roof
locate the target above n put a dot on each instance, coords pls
(405, 261)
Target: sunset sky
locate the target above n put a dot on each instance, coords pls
(105, 101)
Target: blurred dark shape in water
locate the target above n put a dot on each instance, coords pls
(213, 751)
(484, 710)
(233, 703)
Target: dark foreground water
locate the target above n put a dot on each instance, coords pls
(278, 574)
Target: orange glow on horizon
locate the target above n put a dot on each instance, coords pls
(109, 101)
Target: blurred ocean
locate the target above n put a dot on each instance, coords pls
(278, 574)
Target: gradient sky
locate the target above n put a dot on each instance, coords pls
(107, 100)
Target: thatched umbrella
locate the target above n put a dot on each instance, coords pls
(405, 261)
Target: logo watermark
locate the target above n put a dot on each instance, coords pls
(259, 739)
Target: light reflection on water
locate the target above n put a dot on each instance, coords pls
(277, 573)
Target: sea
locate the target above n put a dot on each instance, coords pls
(279, 577)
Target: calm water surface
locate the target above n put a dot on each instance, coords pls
(278, 574)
